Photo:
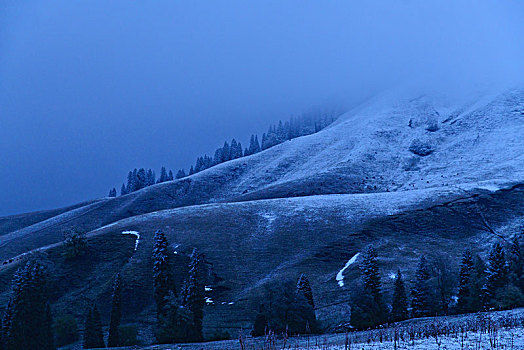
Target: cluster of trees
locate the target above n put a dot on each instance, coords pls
(180, 314)
(497, 283)
(28, 323)
(305, 124)
(140, 178)
(287, 308)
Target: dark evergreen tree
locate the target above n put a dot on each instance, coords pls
(131, 179)
(163, 175)
(47, 330)
(180, 174)
(191, 170)
(421, 295)
(170, 176)
(150, 178)
(304, 287)
(116, 313)
(516, 264)
(175, 323)
(112, 192)
(399, 306)
(162, 274)
(496, 275)
(367, 306)
(464, 302)
(123, 190)
(28, 318)
(193, 297)
(284, 310)
(478, 281)
(226, 152)
(444, 283)
(93, 336)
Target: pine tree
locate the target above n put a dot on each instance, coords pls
(180, 174)
(191, 170)
(465, 279)
(193, 296)
(163, 175)
(368, 308)
(162, 275)
(170, 176)
(131, 179)
(116, 314)
(370, 274)
(304, 287)
(47, 330)
(256, 147)
(421, 292)
(93, 336)
(516, 264)
(123, 190)
(112, 192)
(496, 275)
(27, 319)
(399, 306)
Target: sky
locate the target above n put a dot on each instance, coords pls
(92, 89)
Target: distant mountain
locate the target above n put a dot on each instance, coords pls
(412, 176)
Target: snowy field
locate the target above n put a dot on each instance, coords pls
(498, 330)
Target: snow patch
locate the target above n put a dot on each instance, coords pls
(392, 275)
(175, 247)
(340, 274)
(134, 233)
(209, 300)
(208, 289)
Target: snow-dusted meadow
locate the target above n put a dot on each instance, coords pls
(496, 330)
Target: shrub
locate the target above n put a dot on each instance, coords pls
(66, 330)
(75, 244)
(421, 148)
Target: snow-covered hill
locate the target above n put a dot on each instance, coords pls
(412, 176)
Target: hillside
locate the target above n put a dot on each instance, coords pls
(307, 205)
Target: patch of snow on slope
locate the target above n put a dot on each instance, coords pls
(340, 274)
(134, 233)
(209, 300)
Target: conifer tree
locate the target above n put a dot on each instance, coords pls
(496, 275)
(163, 175)
(464, 292)
(47, 330)
(170, 176)
(116, 313)
(180, 174)
(93, 336)
(516, 264)
(191, 170)
(304, 287)
(162, 275)
(368, 308)
(193, 296)
(421, 300)
(123, 190)
(27, 319)
(112, 192)
(370, 273)
(399, 306)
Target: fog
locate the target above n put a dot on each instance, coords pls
(92, 89)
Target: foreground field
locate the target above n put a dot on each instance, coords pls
(496, 330)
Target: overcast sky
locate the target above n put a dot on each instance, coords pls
(91, 89)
